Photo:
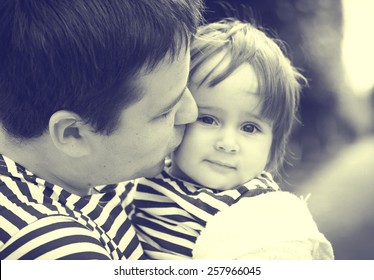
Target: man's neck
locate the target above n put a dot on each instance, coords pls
(41, 158)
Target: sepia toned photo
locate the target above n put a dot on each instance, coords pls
(210, 130)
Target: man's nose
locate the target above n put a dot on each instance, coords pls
(187, 112)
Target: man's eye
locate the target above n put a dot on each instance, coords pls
(207, 120)
(250, 128)
(165, 115)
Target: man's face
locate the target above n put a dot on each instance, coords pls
(150, 129)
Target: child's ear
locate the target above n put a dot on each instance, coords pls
(69, 133)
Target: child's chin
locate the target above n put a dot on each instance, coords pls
(219, 187)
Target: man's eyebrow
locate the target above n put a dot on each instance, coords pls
(174, 102)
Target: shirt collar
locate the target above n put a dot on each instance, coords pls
(16, 171)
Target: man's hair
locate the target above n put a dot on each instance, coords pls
(279, 82)
(83, 56)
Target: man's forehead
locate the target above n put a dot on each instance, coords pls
(164, 86)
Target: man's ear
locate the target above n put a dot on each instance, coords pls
(69, 133)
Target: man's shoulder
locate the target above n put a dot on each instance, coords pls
(49, 238)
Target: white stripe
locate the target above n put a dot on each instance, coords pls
(140, 195)
(137, 253)
(11, 165)
(170, 238)
(33, 226)
(92, 204)
(164, 211)
(162, 217)
(71, 200)
(129, 234)
(8, 226)
(16, 210)
(183, 203)
(55, 200)
(157, 255)
(35, 192)
(75, 248)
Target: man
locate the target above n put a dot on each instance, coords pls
(91, 93)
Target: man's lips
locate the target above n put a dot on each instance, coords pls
(179, 137)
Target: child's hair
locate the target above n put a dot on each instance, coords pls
(279, 82)
(83, 56)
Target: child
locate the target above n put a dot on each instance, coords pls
(214, 200)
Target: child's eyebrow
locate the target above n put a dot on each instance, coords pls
(258, 117)
(209, 108)
(174, 102)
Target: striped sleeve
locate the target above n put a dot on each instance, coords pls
(54, 237)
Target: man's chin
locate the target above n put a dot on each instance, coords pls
(155, 170)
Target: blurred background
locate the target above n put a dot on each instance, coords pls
(332, 148)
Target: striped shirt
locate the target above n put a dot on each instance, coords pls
(39, 220)
(169, 213)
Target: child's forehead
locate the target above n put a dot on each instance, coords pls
(219, 67)
(211, 66)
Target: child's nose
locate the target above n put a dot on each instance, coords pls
(187, 112)
(227, 143)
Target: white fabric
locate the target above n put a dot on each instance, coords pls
(276, 225)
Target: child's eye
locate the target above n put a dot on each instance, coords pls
(250, 128)
(207, 120)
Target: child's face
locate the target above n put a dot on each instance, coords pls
(230, 142)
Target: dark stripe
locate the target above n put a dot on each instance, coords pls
(47, 200)
(178, 218)
(47, 193)
(81, 203)
(4, 236)
(114, 213)
(255, 192)
(5, 190)
(8, 192)
(129, 186)
(147, 189)
(130, 248)
(129, 209)
(36, 233)
(12, 218)
(25, 190)
(85, 256)
(149, 249)
(227, 199)
(139, 203)
(96, 211)
(189, 196)
(30, 208)
(58, 243)
(144, 222)
(179, 249)
(3, 167)
(125, 226)
(107, 197)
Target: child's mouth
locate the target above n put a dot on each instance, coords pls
(221, 165)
